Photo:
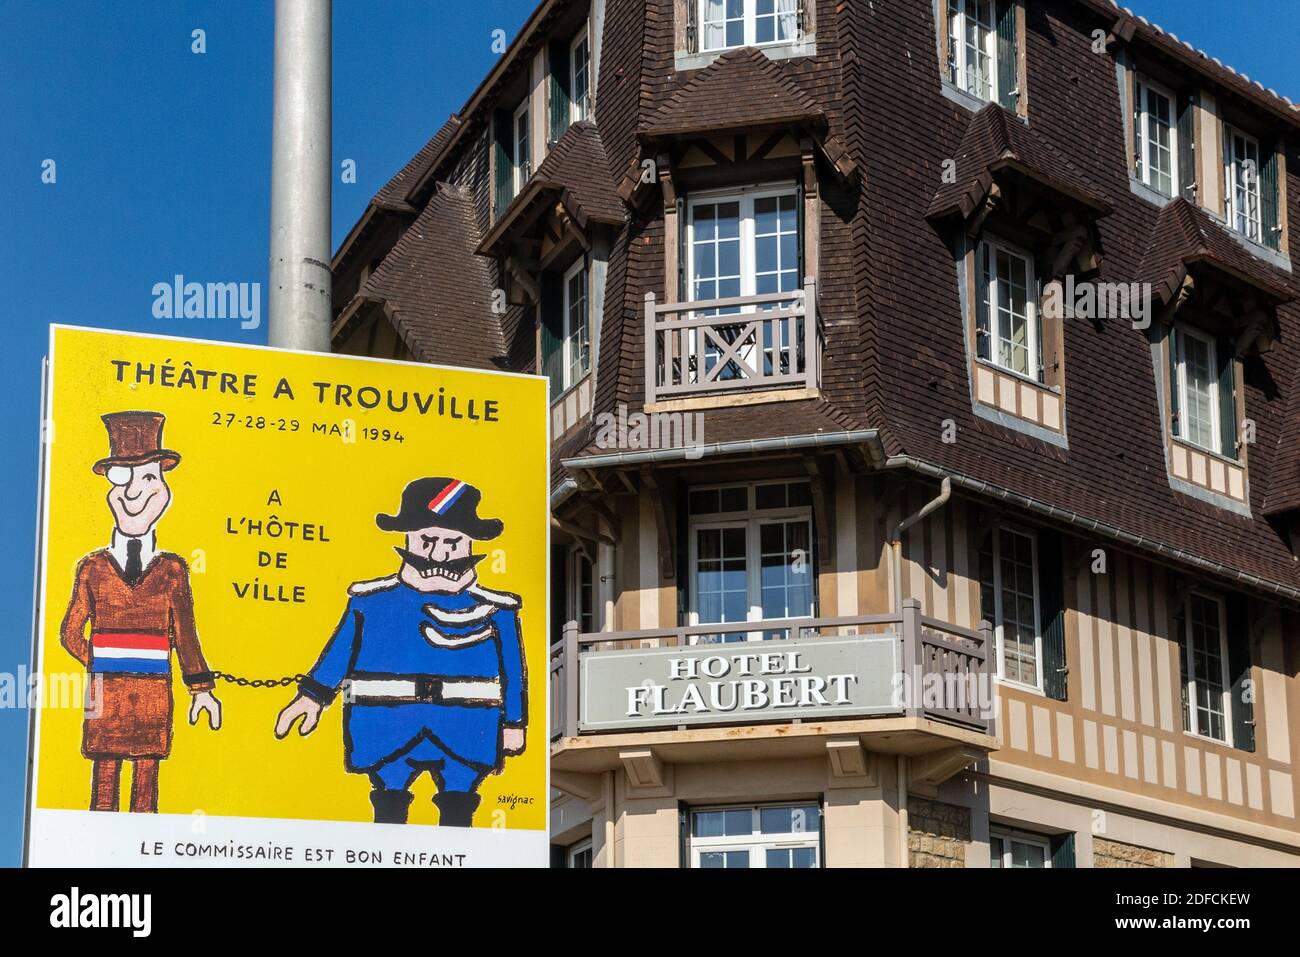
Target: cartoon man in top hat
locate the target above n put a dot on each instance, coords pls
(433, 663)
(137, 603)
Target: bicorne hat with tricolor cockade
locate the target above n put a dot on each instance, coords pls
(443, 502)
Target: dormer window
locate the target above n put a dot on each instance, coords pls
(1204, 395)
(580, 77)
(1157, 137)
(1008, 331)
(973, 47)
(725, 24)
(1242, 162)
(523, 159)
(577, 325)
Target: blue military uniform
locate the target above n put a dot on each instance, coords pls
(431, 680)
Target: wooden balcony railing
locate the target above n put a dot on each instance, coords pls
(923, 668)
(740, 344)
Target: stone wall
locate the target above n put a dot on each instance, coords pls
(937, 833)
(1114, 854)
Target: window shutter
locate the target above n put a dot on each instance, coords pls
(682, 559)
(1051, 611)
(559, 591)
(1038, 320)
(1180, 629)
(683, 295)
(692, 26)
(552, 315)
(560, 91)
(1187, 146)
(1175, 427)
(683, 834)
(983, 342)
(1270, 201)
(821, 832)
(1063, 851)
(1243, 712)
(503, 161)
(799, 230)
(1008, 57)
(1227, 398)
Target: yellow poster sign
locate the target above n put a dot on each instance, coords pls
(292, 609)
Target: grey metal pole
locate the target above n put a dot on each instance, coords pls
(299, 297)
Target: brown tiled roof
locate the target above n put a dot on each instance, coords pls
(394, 194)
(436, 290)
(750, 423)
(995, 141)
(576, 173)
(1114, 471)
(578, 168)
(1284, 478)
(1186, 235)
(740, 89)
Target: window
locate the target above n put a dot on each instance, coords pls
(580, 855)
(973, 47)
(577, 325)
(1196, 378)
(1157, 138)
(736, 23)
(523, 157)
(1009, 598)
(580, 78)
(582, 591)
(765, 836)
(750, 557)
(1242, 161)
(745, 244)
(1205, 667)
(1018, 849)
(1008, 331)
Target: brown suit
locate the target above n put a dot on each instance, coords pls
(128, 653)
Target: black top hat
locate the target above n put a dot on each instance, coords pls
(444, 502)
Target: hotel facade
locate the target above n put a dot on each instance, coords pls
(924, 396)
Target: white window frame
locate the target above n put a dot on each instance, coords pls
(1007, 836)
(958, 58)
(1144, 86)
(997, 621)
(575, 851)
(1189, 663)
(756, 843)
(576, 110)
(989, 290)
(746, 197)
(752, 520)
(567, 330)
(1233, 166)
(750, 17)
(1180, 365)
(523, 151)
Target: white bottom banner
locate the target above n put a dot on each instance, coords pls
(98, 839)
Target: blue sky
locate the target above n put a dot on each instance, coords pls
(162, 168)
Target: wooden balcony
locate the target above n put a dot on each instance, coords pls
(924, 683)
(736, 345)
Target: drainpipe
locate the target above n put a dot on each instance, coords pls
(607, 795)
(902, 811)
(896, 555)
(896, 538)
